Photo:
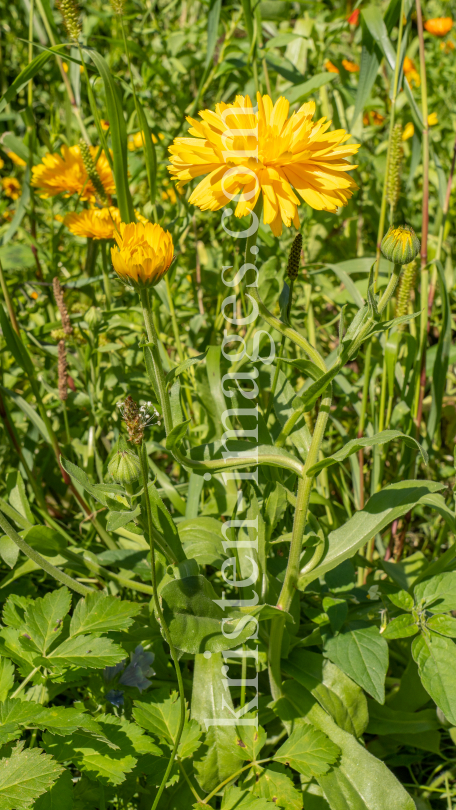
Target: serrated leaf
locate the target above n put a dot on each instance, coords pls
(274, 783)
(86, 651)
(6, 677)
(59, 796)
(438, 594)
(98, 613)
(235, 798)
(250, 740)
(44, 616)
(9, 551)
(363, 655)
(436, 659)
(190, 740)
(159, 713)
(401, 627)
(307, 751)
(24, 776)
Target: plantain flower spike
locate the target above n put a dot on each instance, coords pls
(393, 185)
(405, 287)
(69, 10)
(91, 169)
(294, 259)
(400, 245)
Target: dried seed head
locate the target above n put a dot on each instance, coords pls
(400, 245)
(92, 172)
(294, 258)
(404, 290)
(137, 418)
(125, 467)
(58, 295)
(393, 185)
(63, 371)
(69, 10)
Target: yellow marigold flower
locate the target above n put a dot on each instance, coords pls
(408, 65)
(169, 194)
(104, 124)
(143, 254)
(373, 117)
(280, 154)
(433, 119)
(352, 67)
(409, 131)
(16, 159)
(439, 26)
(67, 175)
(136, 141)
(330, 67)
(11, 187)
(65, 66)
(2, 163)
(94, 223)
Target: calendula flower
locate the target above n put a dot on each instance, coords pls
(409, 131)
(11, 187)
(439, 26)
(373, 117)
(143, 254)
(2, 163)
(65, 66)
(354, 17)
(411, 72)
(432, 119)
(400, 245)
(245, 153)
(352, 67)
(447, 47)
(104, 124)
(136, 141)
(16, 159)
(330, 67)
(94, 223)
(66, 174)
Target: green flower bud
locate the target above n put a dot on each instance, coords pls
(400, 245)
(125, 467)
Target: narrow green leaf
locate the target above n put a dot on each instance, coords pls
(175, 372)
(367, 441)
(27, 74)
(299, 92)
(176, 435)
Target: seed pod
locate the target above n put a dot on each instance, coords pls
(404, 290)
(393, 185)
(125, 467)
(400, 245)
(91, 170)
(62, 370)
(69, 10)
(294, 258)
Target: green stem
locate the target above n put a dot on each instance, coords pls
(156, 359)
(106, 279)
(60, 576)
(166, 633)
(25, 682)
(232, 778)
(8, 302)
(185, 775)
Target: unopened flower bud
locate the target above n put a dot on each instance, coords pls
(294, 259)
(400, 245)
(125, 467)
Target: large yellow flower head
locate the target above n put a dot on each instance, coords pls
(67, 174)
(94, 223)
(244, 153)
(143, 254)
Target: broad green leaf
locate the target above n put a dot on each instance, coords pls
(44, 616)
(401, 627)
(363, 655)
(411, 694)
(402, 600)
(195, 620)
(336, 611)
(212, 707)
(86, 651)
(381, 509)
(190, 740)
(300, 91)
(437, 594)
(250, 740)
(275, 784)
(359, 780)
(118, 519)
(83, 479)
(308, 751)
(436, 659)
(235, 798)
(159, 713)
(202, 540)
(6, 677)
(164, 523)
(98, 613)
(384, 720)
(445, 625)
(368, 441)
(341, 697)
(45, 540)
(405, 572)
(59, 796)
(24, 776)
(9, 551)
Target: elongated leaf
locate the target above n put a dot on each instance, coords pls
(363, 655)
(367, 441)
(164, 523)
(308, 751)
(175, 372)
(300, 91)
(442, 356)
(371, 57)
(381, 509)
(24, 776)
(150, 157)
(98, 613)
(445, 625)
(436, 659)
(28, 73)
(86, 651)
(383, 720)
(175, 436)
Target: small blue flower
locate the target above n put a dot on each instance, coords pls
(138, 669)
(115, 697)
(109, 673)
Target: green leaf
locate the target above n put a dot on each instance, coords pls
(190, 740)
(176, 435)
(336, 611)
(401, 627)
(9, 551)
(275, 784)
(363, 655)
(118, 519)
(164, 523)
(308, 751)
(27, 74)
(367, 441)
(175, 372)
(24, 776)
(436, 659)
(60, 795)
(359, 780)
(437, 594)
(212, 707)
(83, 479)
(445, 625)
(300, 91)
(98, 613)
(19, 500)
(159, 713)
(384, 720)
(381, 509)
(369, 64)
(235, 798)
(86, 651)
(44, 616)
(196, 622)
(6, 677)
(402, 600)
(304, 366)
(150, 157)
(250, 740)
(45, 540)
(202, 540)
(341, 697)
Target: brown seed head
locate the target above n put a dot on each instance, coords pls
(294, 258)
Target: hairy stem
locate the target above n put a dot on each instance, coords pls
(156, 359)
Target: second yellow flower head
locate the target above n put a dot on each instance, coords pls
(143, 254)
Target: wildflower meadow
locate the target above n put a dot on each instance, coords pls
(227, 405)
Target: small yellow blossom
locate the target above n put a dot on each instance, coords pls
(2, 163)
(447, 46)
(11, 187)
(136, 141)
(94, 223)
(104, 124)
(331, 67)
(66, 174)
(65, 66)
(432, 119)
(352, 67)
(409, 131)
(373, 117)
(143, 254)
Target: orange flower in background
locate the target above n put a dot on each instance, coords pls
(411, 72)
(352, 67)
(439, 26)
(66, 174)
(11, 187)
(143, 254)
(354, 17)
(94, 223)
(373, 117)
(291, 153)
(447, 47)
(330, 67)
